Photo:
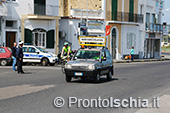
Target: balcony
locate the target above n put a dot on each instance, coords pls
(48, 10)
(154, 28)
(127, 17)
(82, 13)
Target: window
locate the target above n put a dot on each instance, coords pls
(50, 39)
(11, 0)
(9, 23)
(131, 40)
(141, 9)
(103, 54)
(40, 7)
(108, 54)
(131, 10)
(2, 50)
(24, 49)
(114, 9)
(9, 49)
(31, 50)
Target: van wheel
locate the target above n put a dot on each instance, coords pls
(68, 79)
(109, 76)
(3, 62)
(44, 62)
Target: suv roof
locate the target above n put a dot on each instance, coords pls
(95, 49)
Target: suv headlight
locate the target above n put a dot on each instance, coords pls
(68, 66)
(91, 67)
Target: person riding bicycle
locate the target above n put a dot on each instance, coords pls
(67, 50)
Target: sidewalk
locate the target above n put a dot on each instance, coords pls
(140, 60)
(164, 106)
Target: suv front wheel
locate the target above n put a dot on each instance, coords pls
(68, 78)
(109, 76)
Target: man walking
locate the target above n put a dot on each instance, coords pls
(14, 56)
(20, 58)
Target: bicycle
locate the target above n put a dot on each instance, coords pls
(64, 60)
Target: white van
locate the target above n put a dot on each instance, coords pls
(36, 54)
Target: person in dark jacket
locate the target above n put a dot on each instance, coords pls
(14, 56)
(20, 58)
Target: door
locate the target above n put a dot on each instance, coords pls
(152, 48)
(39, 39)
(10, 39)
(113, 43)
(104, 63)
(32, 55)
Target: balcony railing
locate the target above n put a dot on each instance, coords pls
(36, 9)
(82, 13)
(127, 17)
(150, 27)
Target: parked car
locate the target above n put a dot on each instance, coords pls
(5, 56)
(34, 54)
(90, 63)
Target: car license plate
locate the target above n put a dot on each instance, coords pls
(78, 74)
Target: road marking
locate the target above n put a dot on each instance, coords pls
(13, 91)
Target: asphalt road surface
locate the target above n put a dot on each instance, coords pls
(35, 91)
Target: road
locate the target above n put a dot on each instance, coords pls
(35, 91)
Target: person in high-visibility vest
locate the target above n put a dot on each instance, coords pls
(67, 50)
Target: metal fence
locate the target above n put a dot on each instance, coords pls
(154, 27)
(127, 17)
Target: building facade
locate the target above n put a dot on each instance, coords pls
(32, 21)
(80, 14)
(124, 19)
(151, 30)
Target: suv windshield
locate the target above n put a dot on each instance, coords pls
(42, 50)
(86, 54)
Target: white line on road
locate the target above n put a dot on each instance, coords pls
(13, 91)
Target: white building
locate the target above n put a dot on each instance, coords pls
(151, 31)
(32, 21)
(74, 12)
(125, 20)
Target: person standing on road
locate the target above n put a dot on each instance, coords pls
(20, 58)
(14, 49)
(132, 53)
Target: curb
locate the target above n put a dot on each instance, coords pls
(142, 60)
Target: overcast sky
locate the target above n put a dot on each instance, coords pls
(166, 11)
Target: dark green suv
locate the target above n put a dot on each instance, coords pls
(90, 63)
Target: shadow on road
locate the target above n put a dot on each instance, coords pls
(91, 81)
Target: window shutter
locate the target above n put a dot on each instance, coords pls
(28, 36)
(50, 39)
